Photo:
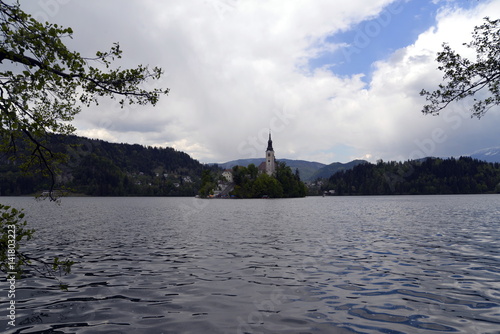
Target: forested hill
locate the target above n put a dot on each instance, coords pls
(100, 168)
(430, 176)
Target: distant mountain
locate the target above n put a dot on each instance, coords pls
(240, 162)
(309, 170)
(464, 175)
(335, 167)
(306, 168)
(491, 154)
(99, 168)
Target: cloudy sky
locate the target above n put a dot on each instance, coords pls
(333, 80)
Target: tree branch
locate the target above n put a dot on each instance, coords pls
(22, 59)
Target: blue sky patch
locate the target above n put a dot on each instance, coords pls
(397, 26)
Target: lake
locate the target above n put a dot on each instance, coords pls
(399, 264)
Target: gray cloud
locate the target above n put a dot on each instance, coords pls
(239, 68)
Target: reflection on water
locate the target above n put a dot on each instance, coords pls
(419, 264)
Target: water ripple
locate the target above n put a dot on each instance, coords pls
(333, 265)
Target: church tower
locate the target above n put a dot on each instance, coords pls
(270, 160)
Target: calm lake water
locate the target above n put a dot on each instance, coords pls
(402, 264)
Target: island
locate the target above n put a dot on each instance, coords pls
(271, 179)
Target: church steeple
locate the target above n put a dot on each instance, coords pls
(269, 143)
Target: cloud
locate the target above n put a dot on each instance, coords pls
(397, 81)
(238, 68)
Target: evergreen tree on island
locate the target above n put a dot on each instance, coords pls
(282, 184)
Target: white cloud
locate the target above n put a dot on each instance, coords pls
(397, 81)
(97, 134)
(239, 68)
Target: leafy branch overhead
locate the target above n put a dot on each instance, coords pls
(465, 78)
(43, 84)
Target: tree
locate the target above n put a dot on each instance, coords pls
(464, 78)
(43, 85)
(207, 183)
(290, 182)
(12, 261)
(265, 185)
(13, 233)
(253, 171)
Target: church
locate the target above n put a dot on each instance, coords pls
(269, 165)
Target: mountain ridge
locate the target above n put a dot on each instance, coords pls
(490, 154)
(100, 168)
(97, 167)
(308, 170)
(311, 170)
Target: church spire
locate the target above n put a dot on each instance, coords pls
(269, 143)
